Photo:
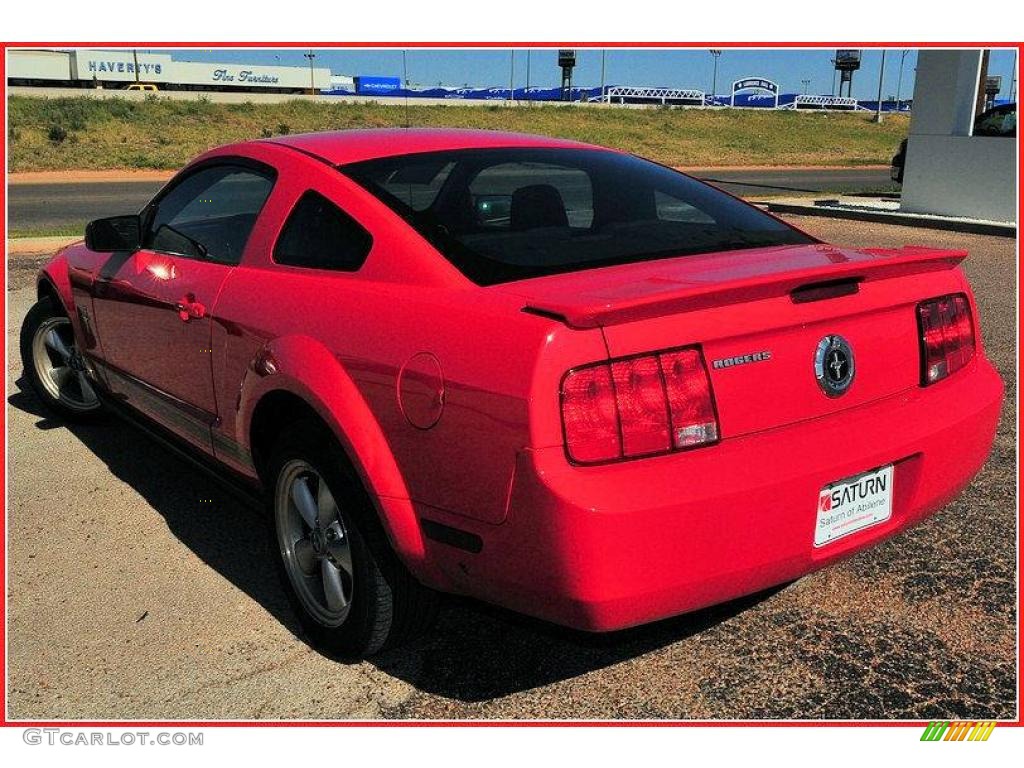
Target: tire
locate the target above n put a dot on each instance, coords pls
(386, 606)
(53, 366)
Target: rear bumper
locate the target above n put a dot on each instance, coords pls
(604, 548)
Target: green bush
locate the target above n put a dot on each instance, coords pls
(121, 109)
(57, 134)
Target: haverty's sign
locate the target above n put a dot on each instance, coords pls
(120, 66)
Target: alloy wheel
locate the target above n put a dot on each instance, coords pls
(59, 365)
(314, 543)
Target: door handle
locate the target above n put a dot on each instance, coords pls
(189, 308)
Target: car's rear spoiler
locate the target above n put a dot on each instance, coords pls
(805, 284)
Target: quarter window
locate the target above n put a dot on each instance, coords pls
(209, 214)
(319, 235)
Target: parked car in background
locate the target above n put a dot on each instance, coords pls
(548, 375)
(997, 121)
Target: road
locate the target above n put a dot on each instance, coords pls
(138, 589)
(40, 207)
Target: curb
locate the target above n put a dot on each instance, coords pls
(903, 219)
(26, 178)
(33, 246)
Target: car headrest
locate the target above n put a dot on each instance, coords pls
(537, 205)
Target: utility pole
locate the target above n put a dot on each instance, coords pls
(527, 94)
(715, 53)
(899, 80)
(881, 75)
(312, 86)
(511, 75)
(603, 52)
(979, 104)
(1013, 78)
(135, 58)
(405, 86)
(805, 82)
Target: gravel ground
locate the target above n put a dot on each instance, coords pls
(139, 589)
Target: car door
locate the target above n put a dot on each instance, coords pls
(153, 307)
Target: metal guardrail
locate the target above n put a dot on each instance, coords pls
(646, 95)
(806, 101)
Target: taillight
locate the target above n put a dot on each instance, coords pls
(643, 413)
(589, 414)
(638, 406)
(947, 336)
(694, 421)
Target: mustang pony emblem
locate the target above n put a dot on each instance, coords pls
(833, 365)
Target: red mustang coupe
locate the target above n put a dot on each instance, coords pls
(553, 376)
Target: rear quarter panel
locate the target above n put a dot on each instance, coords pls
(405, 301)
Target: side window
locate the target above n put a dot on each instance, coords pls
(319, 235)
(209, 214)
(523, 196)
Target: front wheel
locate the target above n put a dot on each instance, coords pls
(352, 595)
(53, 364)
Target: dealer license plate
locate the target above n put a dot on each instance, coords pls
(853, 504)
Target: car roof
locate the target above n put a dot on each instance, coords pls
(342, 147)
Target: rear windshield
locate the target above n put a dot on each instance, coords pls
(508, 214)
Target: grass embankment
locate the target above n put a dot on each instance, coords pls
(85, 133)
(73, 229)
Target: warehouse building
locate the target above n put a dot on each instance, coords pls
(94, 68)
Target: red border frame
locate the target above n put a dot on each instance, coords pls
(4, 722)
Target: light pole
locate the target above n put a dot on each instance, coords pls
(899, 80)
(527, 92)
(310, 55)
(405, 86)
(715, 53)
(881, 74)
(806, 83)
(1013, 79)
(603, 52)
(511, 75)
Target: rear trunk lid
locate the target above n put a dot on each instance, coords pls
(759, 316)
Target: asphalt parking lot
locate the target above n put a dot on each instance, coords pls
(138, 589)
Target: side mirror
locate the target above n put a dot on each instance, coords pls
(117, 233)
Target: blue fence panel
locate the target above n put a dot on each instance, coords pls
(368, 85)
(391, 86)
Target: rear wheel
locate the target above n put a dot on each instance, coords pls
(352, 595)
(53, 364)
